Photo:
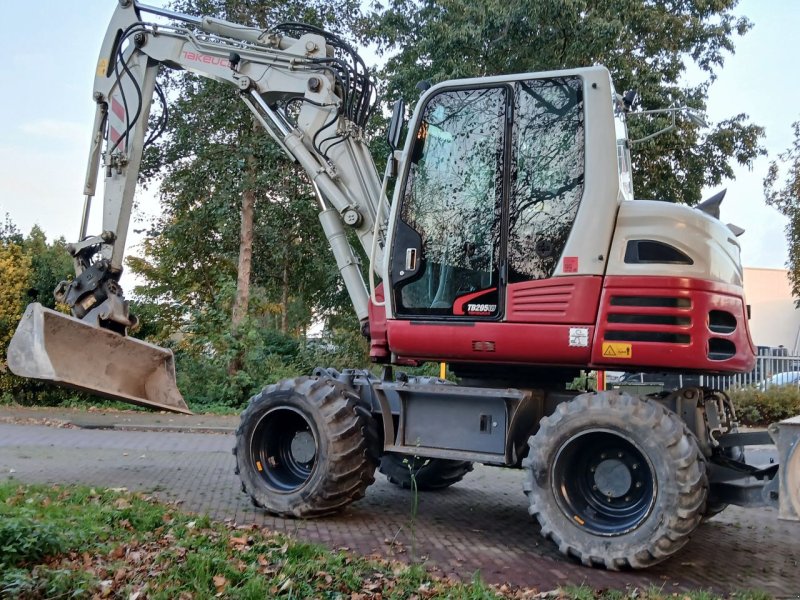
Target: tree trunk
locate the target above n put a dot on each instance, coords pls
(285, 295)
(244, 268)
(245, 260)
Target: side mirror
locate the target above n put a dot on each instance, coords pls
(396, 124)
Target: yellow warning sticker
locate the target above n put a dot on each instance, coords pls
(617, 350)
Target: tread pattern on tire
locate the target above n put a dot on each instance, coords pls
(673, 527)
(352, 459)
(432, 474)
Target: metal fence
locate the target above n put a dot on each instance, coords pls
(774, 367)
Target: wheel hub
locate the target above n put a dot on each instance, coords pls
(613, 478)
(303, 447)
(284, 449)
(603, 482)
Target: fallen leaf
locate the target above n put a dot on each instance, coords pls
(220, 583)
(122, 504)
(238, 541)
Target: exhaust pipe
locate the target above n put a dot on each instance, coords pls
(55, 347)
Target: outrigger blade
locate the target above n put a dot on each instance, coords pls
(59, 348)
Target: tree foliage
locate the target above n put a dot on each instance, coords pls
(210, 158)
(30, 268)
(15, 267)
(783, 192)
(646, 45)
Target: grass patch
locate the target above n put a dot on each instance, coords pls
(78, 542)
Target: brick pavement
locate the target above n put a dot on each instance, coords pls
(479, 525)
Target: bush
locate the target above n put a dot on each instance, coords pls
(30, 392)
(262, 356)
(23, 540)
(761, 407)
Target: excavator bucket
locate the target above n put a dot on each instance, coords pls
(56, 347)
(787, 438)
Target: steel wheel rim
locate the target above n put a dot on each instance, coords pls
(280, 450)
(603, 482)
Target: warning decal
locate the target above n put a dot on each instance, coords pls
(617, 350)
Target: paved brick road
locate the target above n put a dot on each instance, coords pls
(480, 524)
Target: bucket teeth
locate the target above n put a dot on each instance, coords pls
(55, 347)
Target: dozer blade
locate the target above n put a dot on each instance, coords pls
(55, 347)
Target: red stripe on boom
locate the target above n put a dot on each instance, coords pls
(114, 134)
(117, 108)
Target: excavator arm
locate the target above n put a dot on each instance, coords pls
(269, 69)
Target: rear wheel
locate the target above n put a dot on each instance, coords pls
(615, 481)
(429, 474)
(304, 449)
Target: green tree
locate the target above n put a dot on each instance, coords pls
(15, 272)
(30, 268)
(237, 261)
(50, 264)
(646, 44)
(783, 192)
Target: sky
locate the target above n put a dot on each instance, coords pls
(50, 49)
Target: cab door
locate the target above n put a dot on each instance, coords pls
(446, 257)
(478, 270)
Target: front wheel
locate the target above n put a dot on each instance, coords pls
(304, 449)
(615, 481)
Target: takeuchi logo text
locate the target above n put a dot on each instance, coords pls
(481, 309)
(206, 59)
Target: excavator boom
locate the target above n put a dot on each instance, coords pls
(269, 68)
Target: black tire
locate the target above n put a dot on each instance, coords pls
(615, 481)
(429, 474)
(304, 448)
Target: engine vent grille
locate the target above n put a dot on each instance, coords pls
(651, 301)
(660, 319)
(719, 349)
(721, 321)
(653, 252)
(649, 319)
(663, 337)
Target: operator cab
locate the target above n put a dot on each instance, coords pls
(511, 241)
(494, 182)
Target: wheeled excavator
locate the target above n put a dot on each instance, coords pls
(512, 248)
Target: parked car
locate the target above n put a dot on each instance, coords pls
(784, 378)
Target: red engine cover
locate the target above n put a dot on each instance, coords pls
(625, 323)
